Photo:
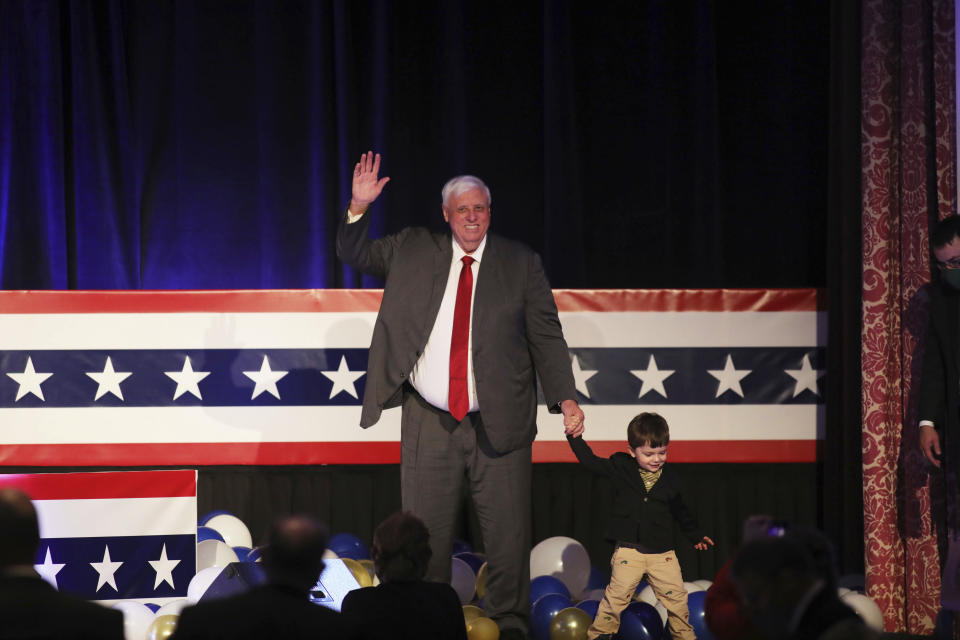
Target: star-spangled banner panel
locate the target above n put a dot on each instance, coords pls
(113, 536)
(134, 578)
(150, 385)
(276, 377)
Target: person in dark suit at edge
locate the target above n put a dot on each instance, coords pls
(939, 406)
(280, 608)
(29, 606)
(467, 323)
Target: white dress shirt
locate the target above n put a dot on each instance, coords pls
(431, 375)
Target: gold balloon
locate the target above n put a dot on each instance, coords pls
(161, 628)
(367, 564)
(359, 572)
(570, 624)
(471, 613)
(482, 581)
(482, 629)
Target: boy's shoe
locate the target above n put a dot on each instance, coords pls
(605, 636)
(513, 634)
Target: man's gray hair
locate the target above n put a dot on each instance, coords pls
(462, 184)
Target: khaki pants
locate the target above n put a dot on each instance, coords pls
(628, 566)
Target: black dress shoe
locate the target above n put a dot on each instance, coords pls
(512, 634)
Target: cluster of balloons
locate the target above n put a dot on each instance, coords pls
(222, 538)
(561, 573)
(468, 577)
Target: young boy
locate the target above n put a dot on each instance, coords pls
(646, 498)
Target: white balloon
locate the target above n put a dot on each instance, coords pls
(173, 608)
(463, 580)
(201, 582)
(327, 555)
(693, 587)
(592, 594)
(866, 608)
(704, 584)
(842, 591)
(662, 610)
(563, 558)
(646, 595)
(136, 619)
(234, 532)
(213, 553)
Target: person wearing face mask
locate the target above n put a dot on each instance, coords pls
(939, 410)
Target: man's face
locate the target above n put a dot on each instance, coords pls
(946, 254)
(469, 218)
(650, 458)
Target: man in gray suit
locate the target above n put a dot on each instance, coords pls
(467, 323)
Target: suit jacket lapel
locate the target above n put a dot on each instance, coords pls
(951, 330)
(441, 272)
(632, 473)
(488, 284)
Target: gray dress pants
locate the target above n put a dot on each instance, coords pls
(439, 454)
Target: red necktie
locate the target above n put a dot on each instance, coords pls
(459, 342)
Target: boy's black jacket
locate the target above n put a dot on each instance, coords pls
(638, 516)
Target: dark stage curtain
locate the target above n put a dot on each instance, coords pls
(168, 145)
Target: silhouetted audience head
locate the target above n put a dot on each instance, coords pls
(401, 548)
(821, 553)
(293, 556)
(19, 530)
(772, 576)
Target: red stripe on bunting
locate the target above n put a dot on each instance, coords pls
(688, 299)
(301, 453)
(361, 300)
(234, 301)
(742, 451)
(108, 484)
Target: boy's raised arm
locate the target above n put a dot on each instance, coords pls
(586, 456)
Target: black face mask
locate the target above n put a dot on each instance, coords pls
(951, 277)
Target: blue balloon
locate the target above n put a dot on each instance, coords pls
(542, 585)
(206, 533)
(542, 613)
(697, 616)
(590, 606)
(242, 553)
(597, 579)
(640, 621)
(152, 606)
(210, 515)
(460, 546)
(471, 559)
(347, 545)
(641, 586)
(254, 555)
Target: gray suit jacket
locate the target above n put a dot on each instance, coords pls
(516, 331)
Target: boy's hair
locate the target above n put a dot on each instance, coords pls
(648, 429)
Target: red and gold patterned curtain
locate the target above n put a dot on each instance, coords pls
(908, 144)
